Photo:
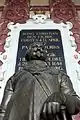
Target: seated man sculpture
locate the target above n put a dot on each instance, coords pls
(38, 91)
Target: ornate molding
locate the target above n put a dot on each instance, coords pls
(62, 11)
(20, 13)
(40, 18)
(39, 8)
(75, 55)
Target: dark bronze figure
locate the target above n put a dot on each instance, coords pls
(38, 91)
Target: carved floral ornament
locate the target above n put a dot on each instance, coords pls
(62, 10)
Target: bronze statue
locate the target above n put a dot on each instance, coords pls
(38, 91)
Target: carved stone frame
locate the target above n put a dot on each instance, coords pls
(39, 22)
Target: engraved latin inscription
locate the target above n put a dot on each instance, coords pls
(52, 42)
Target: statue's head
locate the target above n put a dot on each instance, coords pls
(36, 51)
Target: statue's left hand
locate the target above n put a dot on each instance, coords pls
(49, 110)
(54, 102)
(52, 106)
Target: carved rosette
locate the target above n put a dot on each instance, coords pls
(62, 11)
(16, 11)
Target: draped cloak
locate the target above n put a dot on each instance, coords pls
(32, 86)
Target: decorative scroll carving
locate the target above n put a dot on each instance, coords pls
(16, 11)
(62, 10)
